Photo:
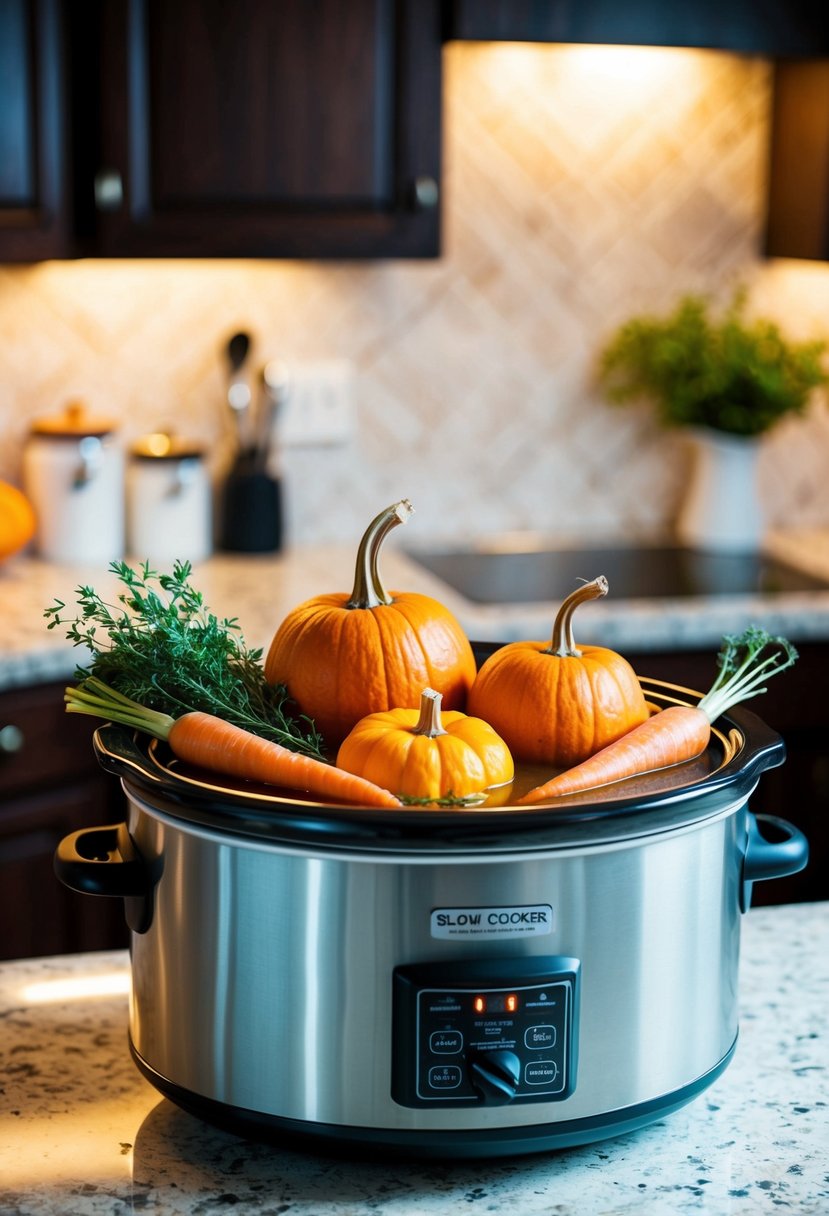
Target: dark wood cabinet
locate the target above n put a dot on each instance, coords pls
(50, 785)
(798, 193)
(773, 27)
(799, 789)
(312, 128)
(142, 128)
(35, 203)
(272, 130)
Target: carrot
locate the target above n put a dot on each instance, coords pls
(680, 732)
(212, 743)
(677, 733)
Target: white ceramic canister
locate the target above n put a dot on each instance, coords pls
(73, 474)
(169, 505)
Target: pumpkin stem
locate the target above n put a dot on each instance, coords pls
(369, 591)
(563, 643)
(429, 722)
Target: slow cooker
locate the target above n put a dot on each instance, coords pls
(452, 983)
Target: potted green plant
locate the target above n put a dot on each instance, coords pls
(727, 381)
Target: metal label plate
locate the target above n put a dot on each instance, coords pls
(487, 924)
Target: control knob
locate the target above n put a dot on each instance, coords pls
(495, 1075)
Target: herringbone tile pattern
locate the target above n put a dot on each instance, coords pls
(581, 185)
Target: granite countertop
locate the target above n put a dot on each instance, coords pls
(82, 1133)
(260, 590)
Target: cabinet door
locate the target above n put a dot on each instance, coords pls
(33, 189)
(50, 785)
(798, 206)
(300, 129)
(38, 915)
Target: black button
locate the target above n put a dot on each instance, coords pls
(445, 1076)
(540, 1072)
(537, 1037)
(445, 1042)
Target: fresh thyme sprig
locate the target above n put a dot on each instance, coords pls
(160, 645)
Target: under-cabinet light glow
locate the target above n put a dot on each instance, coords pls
(599, 76)
(635, 65)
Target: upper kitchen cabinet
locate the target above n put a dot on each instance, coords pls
(256, 129)
(34, 205)
(798, 195)
(755, 27)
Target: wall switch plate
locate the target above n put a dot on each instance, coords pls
(318, 403)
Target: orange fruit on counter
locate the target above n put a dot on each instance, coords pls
(17, 520)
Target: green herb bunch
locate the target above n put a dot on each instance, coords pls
(161, 646)
(731, 375)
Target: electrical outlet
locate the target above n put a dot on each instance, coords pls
(318, 403)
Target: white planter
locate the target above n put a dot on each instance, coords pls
(721, 509)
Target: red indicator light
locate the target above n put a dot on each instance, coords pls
(479, 1004)
(512, 1003)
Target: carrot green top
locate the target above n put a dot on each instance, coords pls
(746, 661)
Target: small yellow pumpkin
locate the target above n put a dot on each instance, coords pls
(343, 656)
(558, 704)
(17, 520)
(423, 754)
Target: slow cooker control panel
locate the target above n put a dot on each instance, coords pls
(485, 1031)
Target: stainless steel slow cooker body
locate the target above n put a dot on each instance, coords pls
(445, 983)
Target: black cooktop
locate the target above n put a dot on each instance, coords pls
(531, 575)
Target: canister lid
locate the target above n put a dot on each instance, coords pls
(163, 445)
(73, 422)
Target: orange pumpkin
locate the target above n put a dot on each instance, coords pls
(343, 656)
(17, 520)
(423, 754)
(556, 704)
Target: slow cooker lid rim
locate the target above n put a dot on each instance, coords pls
(406, 850)
(120, 753)
(347, 836)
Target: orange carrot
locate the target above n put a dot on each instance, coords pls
(680, 732)
(210, 742)
(675, 734)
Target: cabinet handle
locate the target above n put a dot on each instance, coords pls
(426, 192)
(109, 190)
(11, 740)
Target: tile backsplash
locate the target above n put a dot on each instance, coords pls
(581, 185)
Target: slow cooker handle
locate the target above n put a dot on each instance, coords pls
(104, 861)
(771, 858)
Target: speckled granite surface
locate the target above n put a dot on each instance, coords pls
(82, 1134)
(259, 591)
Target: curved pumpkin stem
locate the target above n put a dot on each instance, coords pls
(429, 722)
(368, 591)
(563, 643)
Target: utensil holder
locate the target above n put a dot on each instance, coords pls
(251, 512)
